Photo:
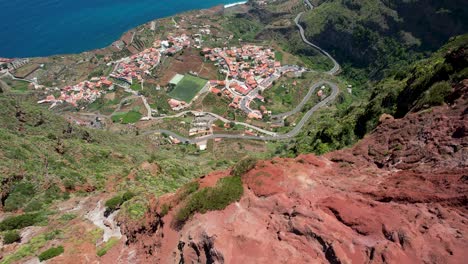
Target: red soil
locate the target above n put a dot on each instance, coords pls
(399, 196)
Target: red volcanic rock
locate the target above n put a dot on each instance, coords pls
(399, 196)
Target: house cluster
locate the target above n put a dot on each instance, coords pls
(173, 44)
(135, 66)
(249, 69)
(87, 91)
(201, 125)
(177, 105)
(249, 63)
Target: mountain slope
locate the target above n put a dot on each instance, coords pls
(399, 195)
(381, 33)
(416, 87)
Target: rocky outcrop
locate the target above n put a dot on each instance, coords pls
(399, 196)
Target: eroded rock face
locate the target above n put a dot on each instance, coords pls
(398, 196)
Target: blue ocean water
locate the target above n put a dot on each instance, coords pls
(31, 28)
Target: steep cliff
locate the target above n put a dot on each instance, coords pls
(399, 196)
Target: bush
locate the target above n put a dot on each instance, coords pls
(33, 206)
(51, 253)
(243, 166)
(435, 95)
(165, 209)
(188, 189)
(107, 246)
(226, 191)
(115, 202)
(20, 221)
(20, 195)
(10, 237)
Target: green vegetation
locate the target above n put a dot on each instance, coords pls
(51, 253)
(28, 249)
(136, 86)
(279, 56)
(188, 189)
(126, 117)
(17, 86)
(21, 221)
(102, 250)
(67, 217)
(382, 34)
(435, 95)
(136, 209)
(243, 166)
(413, 88)
(10, 237)
(226, 191)
(20, 194)
(243, 28)
(115, 202)
(165, 208)
(187, 88)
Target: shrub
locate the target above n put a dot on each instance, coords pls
(226, 191)
(115, 202)
(67, 217)
(33, 206)
(20, 221)
(107, 246)
(165, 209)
(435, 95)
(51, 253)
(20, 195)
(10, 237)
(188, 189)
(243, 166)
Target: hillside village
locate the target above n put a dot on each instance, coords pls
(247, 70)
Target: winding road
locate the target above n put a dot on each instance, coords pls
(270, 135)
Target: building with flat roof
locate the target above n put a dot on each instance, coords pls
(176, 79)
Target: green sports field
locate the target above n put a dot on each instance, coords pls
(187, 88)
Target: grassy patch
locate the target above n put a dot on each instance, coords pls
(115, 202)
(279, 56)
(20, 86)
(10, 237)
(136, 86)
(28, 249)
(187, 88)
(67, 217)
(126, 117)
(243, 28)
(51, 253)
(435, 95)
(243, 166)
(226, 191)
(102, 250)
(21, 221)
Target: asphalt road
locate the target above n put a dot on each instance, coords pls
(336, 67)
(288, 135)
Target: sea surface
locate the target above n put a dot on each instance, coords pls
(30, 28)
